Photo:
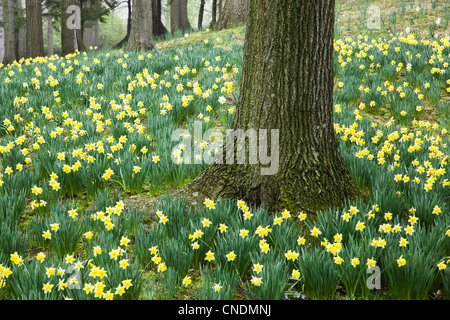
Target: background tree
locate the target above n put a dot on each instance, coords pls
(141, 35)
(234, 12)
(158, 27)
(113, 5)
(179, 16)
(13, 22)
(287, 84)
(35, 35)
(213, 13)
(201, 12)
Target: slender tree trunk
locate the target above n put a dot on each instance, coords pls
(50, 49)
(2, 34)
(200, 14)
(234, 12)
(158, 27)
(287, 85)
(220, 6)
(21, 31)
(141, 35)
(35, 34)
(179, 16)
(8, 56)
(213, 13)
(13, 43)
(127, 36)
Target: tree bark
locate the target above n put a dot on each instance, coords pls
(158, 27)
(200, 14)
(213, 14)
(7, 52)
(35, 34)
(287, 85)
(179, 16)
(50, 48)
(235, 12)
(71, 36)
(141, 35)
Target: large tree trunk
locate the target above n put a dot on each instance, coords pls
(158, 27)
(287, 85)
(35, 34)
(71, 35)
(141, 35)
(179, 16)
(235, 12)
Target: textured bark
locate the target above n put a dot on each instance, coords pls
(235, 12)
(68, 36)
(179, 16)
(35, 34)
(287, 84)
(158, 27)
(141, 34)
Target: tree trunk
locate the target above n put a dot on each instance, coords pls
(179, 16)
(50, 48)
(141, 35)
(213, 14)
(234, 12)
(71, 35)
(127, 36)
(200, 15)
(158, 27)
(2, 35)
(90, 30)
(13, 43)
(21, 29)
(287, 85)
(220, 6)
(8, 55)
(35, 35)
